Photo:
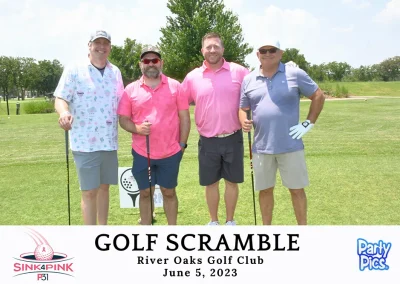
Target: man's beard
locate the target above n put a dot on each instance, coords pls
(151, 72)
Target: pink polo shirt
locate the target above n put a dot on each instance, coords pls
(160, 107)
(216, 95)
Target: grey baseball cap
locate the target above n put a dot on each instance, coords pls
(150, 49)
(99, 34)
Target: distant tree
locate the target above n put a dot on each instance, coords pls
(181, 38)
(337, 70)
(27, 75)
(48, 75)
(389, 69)
(293, 54)
(5, 75)
(126, 58)
(362, 74)
(318, 72)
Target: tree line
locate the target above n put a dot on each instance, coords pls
(20, 74)
(180, 44)
(387, 70)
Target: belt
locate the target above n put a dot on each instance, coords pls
(225, 134)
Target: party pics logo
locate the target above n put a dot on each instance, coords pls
(43, 261)
(373, 256)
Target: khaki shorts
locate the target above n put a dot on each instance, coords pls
(95, 168)
(292, 167)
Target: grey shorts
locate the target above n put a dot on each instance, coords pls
(292, 167)
(95, 168)
(221, 158)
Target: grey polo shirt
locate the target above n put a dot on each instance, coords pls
(274, 103)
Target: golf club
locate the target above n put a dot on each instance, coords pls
(67, 157)
(149, 171)
(251, 169)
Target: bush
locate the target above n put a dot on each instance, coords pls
(38, 107)
(340, 92)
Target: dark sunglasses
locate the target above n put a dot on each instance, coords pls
(270, 50)
(154, 60)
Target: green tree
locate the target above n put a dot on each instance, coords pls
(180, 42)
(27, 75)
(126, 58)
(293, 54)
(338, 70)
(389, 69)
(318, 72)
(49, 73)
(5, 75)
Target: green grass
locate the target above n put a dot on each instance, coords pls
(352, 156)
(391, 89)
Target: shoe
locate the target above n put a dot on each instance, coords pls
(213, 223)
(230, 223)
(140, 219)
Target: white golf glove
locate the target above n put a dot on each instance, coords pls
(291, 64)
(300, 129)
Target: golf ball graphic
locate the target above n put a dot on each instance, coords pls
(128, 181)
(44, 252)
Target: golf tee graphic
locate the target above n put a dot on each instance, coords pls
(129, 191)
(43, 261)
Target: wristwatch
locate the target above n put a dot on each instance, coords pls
(306, 123)
(184, 145)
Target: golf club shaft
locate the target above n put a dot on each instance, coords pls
(67, 158)
(251, 169)
(149, 172)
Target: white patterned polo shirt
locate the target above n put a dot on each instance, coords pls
(93, 101)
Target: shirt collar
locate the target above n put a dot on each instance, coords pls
(281, 68)
(164, 79)
(108, 64)
(225, 65)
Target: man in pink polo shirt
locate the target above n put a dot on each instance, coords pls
(155, 106)
(215, 89)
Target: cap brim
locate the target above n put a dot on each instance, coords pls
(93, 39)
(147, 52)
(271, 45)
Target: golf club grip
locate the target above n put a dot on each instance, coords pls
(149, 173)
(249, 138)
(66, 142)
(67, 158)
(148, 144)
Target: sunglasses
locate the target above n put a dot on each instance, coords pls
(270, 50)
(147, 61)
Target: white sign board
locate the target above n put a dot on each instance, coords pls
(129, 191)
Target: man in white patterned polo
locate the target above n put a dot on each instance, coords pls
(87, 98)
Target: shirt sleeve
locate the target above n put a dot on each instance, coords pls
(186, 90)
(244, 99)
(306, 85)
(66, 87)
(125, 104)
(120, 85)
(181, 100)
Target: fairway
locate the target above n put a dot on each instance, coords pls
(352, 156)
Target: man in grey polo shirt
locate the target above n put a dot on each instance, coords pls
(272, 93)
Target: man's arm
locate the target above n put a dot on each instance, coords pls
(127, 124)
(65, 120)
(317, 103)
(246, 124)
(184, 125)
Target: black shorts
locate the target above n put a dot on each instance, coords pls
(221, 158)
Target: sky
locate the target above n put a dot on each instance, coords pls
(359, 32)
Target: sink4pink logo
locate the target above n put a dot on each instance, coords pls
(43, 261)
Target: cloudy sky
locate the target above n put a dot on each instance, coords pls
(359, 32)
